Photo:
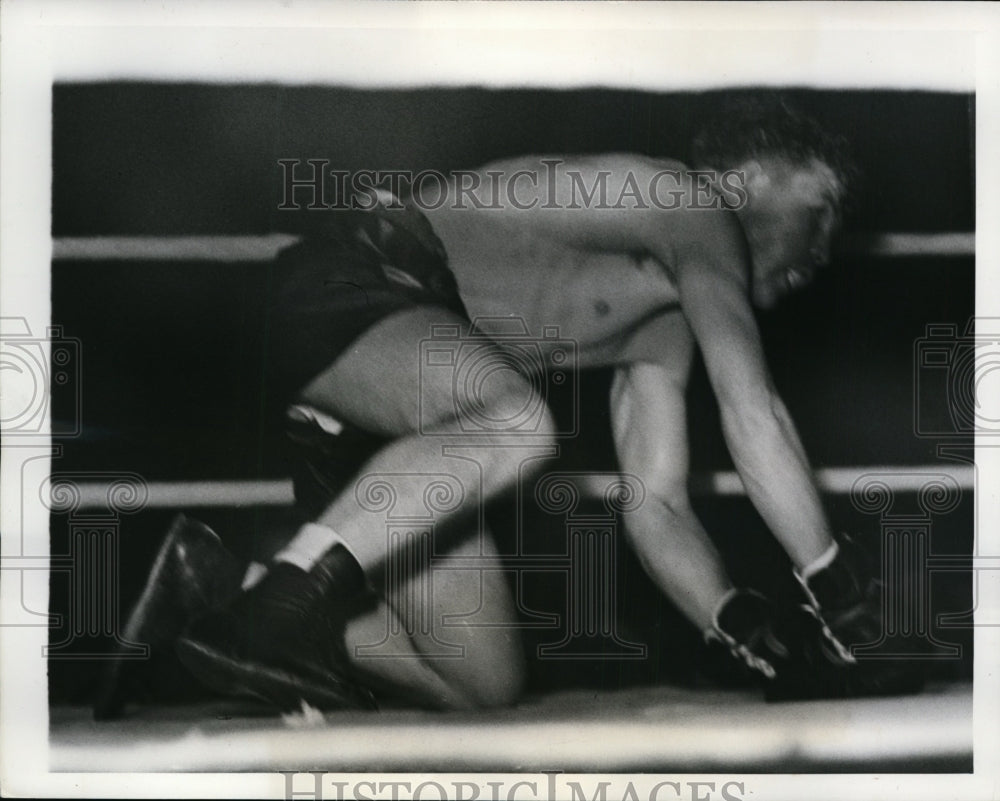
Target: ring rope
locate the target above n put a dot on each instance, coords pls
(278, 492)
(265, 247)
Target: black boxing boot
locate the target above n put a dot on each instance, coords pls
(282, 641)
(192, 572)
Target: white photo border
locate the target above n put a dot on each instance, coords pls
(933, 46)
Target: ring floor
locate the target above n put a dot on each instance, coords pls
(649, 729)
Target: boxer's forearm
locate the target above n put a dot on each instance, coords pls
(772, 463)
(679, 557)
(760, 435)
(650, 429)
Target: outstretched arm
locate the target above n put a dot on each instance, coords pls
(650, 431)
(759, 432)
(705, 253)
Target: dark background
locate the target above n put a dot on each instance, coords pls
(170, 351)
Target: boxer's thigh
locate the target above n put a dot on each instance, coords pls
(375, 382)
(385, 384)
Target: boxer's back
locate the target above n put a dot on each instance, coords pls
(533, 242)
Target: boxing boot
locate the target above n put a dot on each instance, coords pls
(282, 641)
(192, 572)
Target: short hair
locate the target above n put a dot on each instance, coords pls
(751, 125)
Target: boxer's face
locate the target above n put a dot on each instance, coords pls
(790, 218)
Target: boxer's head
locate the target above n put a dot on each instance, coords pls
(796, 178)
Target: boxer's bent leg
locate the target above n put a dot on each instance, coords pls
(491, 670)
(376, 385)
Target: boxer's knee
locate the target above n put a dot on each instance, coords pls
(476, 611)
(508, 406)
(516, 415)
(502, 686)
(493, 682)
(519, 408)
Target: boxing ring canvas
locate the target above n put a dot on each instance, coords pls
(152, 162)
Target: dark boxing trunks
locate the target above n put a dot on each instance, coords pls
(323, 293)
(328, 289)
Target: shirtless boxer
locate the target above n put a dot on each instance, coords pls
(638, 282)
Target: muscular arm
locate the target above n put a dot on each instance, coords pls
(650, 431)
(759, 432)
(705, 253)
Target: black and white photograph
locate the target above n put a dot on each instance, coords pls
(499, 400)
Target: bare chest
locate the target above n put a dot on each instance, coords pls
(596, 299)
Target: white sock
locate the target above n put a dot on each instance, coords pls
(308, 545)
